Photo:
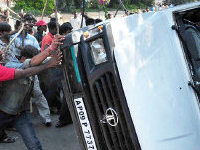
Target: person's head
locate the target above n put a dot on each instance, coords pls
(41, 26)
(65, 28)
(5, 29)
(17, 24)
(125, 14)
(147, 9)
(90, 21)
(131, 13)
(52, 27)
(109, 16)
(3, 18)
(98, 20)
(82, 11)
(28, 52)
(6, 12)
(53, 20)
(75, 15)
(29, 23)
(30, 18)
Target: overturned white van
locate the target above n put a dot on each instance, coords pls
(135, 81)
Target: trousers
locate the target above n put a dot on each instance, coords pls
(40, 101)
(24, 126)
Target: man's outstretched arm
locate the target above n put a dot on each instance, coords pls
(55, 60)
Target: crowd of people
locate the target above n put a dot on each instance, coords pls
(25, 52)
(160, 5)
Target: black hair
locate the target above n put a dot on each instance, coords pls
(29, 17)
(98, 20)
(5, 11)
(52, 25)
(29, 51)
(65, 27)
(3, 17)
(5, 27)
(53, 20)
(90, 21)
(131, 13)
(17, 24)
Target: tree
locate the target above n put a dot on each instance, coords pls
(31, 5)
(65, 5)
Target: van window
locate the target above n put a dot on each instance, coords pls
(188, 24)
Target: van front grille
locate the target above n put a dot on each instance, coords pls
(106, 95)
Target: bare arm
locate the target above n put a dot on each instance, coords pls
(19, 73)
(46, 46)
(56, 59)
(38, 59)
(40, 43)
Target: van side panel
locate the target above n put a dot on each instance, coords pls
(153, 73)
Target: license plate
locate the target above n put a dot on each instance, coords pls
(85, 124)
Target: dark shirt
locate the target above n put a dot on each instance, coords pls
(38, 36)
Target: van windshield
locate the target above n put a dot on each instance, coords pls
(189, 30)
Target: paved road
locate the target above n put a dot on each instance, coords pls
(51, 138)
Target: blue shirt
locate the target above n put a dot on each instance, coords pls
(2, 45)
(15, 51)
(15, 63)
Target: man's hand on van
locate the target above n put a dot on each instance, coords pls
(55, 60)
(56, 42)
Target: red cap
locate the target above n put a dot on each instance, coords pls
(41, 23)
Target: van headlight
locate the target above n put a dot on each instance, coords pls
(98, 52)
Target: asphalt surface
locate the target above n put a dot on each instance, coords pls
(51, 138)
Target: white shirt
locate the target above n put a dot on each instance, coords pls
(76, 23)
(80, 18)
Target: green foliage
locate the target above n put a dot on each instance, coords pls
(93, 4)
(132, 7)
(129, 4)
(143, 5)
(34, 6)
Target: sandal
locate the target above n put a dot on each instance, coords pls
(8, 140)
